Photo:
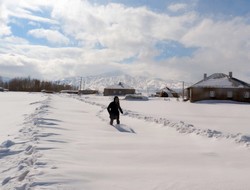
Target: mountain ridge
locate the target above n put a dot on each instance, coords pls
(140, 83)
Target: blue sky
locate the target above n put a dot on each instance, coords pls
(169, 39)
(210, 7)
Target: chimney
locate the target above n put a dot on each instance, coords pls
(230, 74)
(205, 76)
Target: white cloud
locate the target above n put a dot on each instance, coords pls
(124, 32)
(5, 30)
(224, 45)
(12, 40)
(52, 36)
(39, 61)
(177, 7)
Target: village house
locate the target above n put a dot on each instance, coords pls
(87, 91)
(167, 92)
(219, 86)
(119, 89)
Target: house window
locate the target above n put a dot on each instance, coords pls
(114, 92)
(246, 95)
(120, 92)
(229, 94)
(212, 94)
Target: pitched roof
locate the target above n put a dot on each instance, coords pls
(120, 85)
(167, 90)
(221, 80)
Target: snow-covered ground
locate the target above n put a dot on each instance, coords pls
(65, 142)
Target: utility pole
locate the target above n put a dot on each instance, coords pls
(183, 90)
(84, 84)
(80, 87)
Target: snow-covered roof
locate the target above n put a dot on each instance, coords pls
(221, 80)
(167, 90)
(120, 85)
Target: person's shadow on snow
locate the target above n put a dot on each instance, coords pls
(124, 128)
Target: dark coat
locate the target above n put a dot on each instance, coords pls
(114, 109)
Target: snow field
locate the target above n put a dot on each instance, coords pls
(67, 143)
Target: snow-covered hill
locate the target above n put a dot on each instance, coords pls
(140, 83)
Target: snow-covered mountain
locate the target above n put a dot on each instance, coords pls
(140, 83)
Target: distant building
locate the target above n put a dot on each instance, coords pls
(219, 86)
(1, 89)
(69, 91)
(167, 92)
(119, 89)
(88, 91)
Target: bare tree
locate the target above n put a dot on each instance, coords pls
(35, 85)
(1, 81)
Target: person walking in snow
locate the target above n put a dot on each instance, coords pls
(113, 109)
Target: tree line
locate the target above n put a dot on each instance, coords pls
(33, 85)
